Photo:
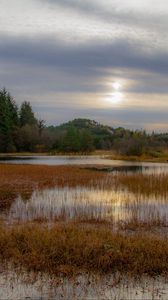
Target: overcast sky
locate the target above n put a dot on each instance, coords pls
(97, 59)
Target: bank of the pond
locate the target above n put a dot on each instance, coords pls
(160, 157)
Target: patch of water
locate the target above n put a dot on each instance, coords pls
(115, 165)
(68, 203)
(84, 286)
(88, 204)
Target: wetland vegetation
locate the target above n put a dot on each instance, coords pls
(90, 217)
(75, 217)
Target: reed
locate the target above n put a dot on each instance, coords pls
(136, 224)
(68, 248)
(83, 194)
(24, 179)
(81, 219)
(144, 184)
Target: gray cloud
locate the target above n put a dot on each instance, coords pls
(91, 58)
(71, 76)
(44, 66)
(112, 12)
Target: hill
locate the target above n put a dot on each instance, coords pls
(85, 135)
(95, 128)
(88, 133)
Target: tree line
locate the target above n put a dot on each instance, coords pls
(22, 131)
(19, 128)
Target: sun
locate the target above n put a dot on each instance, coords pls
(116, 95)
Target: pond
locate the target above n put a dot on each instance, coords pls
(106, 200)
(111, 200)
(111, 165)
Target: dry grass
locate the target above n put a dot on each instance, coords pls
(66, 248)
(46, 176)
(92, 245)
(135, 224)
(152, 156)
(144, 184)
(23, 179)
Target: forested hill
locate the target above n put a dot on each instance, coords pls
(22, 131)
(81, 135)
(93, 126)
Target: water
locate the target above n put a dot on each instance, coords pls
(113, 165)
(88, 204)
(42, 287)
(68, 203)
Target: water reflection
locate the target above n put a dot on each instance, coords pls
(88, 204)
(114, 165)
(37, 286)
(117, 169)
(68, 203)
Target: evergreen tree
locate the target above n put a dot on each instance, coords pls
(71, 141)
(41, 126)
(27, 116)
(8, 121)
(86, 144)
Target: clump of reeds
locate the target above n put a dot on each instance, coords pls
(48, 176)
(66, 248)
(23, 179)
(135, 224)
(139, 188)
(144, 184)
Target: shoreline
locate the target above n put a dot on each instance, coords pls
(104, 154)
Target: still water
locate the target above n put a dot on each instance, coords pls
(85, 287)
(113, 165)
(87, 204)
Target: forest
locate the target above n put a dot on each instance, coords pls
(22, 131)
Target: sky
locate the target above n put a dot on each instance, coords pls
(96, 59)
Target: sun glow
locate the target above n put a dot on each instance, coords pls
(116, 96)
(117, 86)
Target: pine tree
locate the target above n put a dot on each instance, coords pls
(27, 116)
(8, 121)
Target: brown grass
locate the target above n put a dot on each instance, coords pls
(66, 248)
(135, 224)
(23, 179)
(144, 184)
(46, 176)
(152, 156)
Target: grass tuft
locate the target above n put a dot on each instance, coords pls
(66, 248)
